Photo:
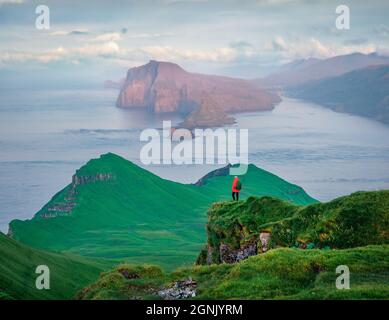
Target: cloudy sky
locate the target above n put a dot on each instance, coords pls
(100, 40)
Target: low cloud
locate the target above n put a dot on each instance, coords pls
(356, 41)
(112, 50)
(223, 54)
(284, 49)
(293, 49)
(69, 33)
(111, 36)
(11, 2)
(73, 55)
(149, 35)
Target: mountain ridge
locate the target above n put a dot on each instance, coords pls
(363, 92)
(133, 214)
(317, 69)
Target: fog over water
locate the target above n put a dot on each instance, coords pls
(46, 135)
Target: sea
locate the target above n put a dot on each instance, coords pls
(46, 135)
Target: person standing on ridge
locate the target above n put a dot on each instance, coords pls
(236, 187)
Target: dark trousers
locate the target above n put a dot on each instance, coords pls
(235, 196)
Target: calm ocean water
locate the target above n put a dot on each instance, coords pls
(46, 136)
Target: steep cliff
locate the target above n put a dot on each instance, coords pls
(166, 87)
(239, 230)
(209, 114)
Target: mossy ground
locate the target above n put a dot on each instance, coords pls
(283, 273)
(359, 219)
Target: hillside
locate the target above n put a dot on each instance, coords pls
(166, 87)
(68, 273)
(305, 246)
(363, 92)
(238, 230)
(305, 71)
(279, 274)
(115, 209)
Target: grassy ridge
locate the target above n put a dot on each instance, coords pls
(138, 217)
(359, 219)
(68, 273)
(358, 224)
(278, 274)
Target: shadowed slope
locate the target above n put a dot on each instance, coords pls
(68, 273)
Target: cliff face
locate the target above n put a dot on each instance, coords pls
(238, 230)
(166, 87)
(67, 200)
(208, 114)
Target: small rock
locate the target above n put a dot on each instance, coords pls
(183, 289)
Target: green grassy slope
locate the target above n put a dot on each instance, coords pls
(68, 273)
(359, 219)
(278, 274)
(131, 214)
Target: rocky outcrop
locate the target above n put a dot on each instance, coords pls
(10, 232)
(58, 209)
(264, 238)
(229, 255)
(209, 114)
(166, 87)
(68, 202)
(80, 180)
(221, 172)
(183, 289)
(226, 253)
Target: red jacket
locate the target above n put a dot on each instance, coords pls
(234, 185)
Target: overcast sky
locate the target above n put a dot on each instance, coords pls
(102, 39)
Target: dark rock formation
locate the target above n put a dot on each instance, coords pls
(229, 255)
(209, 114)
(80, 180)
(226, 253)
(225, 171)
(10, 232)
(68, 203)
